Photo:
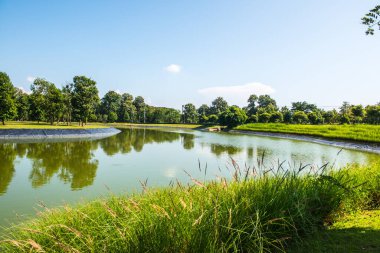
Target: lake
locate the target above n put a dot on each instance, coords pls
(53, 173)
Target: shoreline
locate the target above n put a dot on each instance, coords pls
(41, 134)
(349, 144)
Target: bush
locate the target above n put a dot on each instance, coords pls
(299, 117)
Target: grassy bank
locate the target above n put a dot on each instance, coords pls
(354, 232)
(368, 133)
(127, 125)
(44, 125)
(252, 213)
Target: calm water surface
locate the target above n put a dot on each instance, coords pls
(56, 173)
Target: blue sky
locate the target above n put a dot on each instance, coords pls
(174, 52)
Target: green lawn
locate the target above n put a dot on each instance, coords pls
(369, 133)
(358, 232)
(44, 125)
(127, 125)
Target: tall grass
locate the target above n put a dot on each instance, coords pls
(258, 211)
(369, 133)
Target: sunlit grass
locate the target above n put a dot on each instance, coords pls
(369, 133)
(44, 125)
(357, 232)
(127, 125)
(260, 210)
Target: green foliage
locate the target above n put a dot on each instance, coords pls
(190, 114)
(218, 106)
(85, 98)
(253, 119)
(8, 109)
(315, 118)
(110, 105)
(213, 119)
(22, 105)
(373, 114)
(127, 111)
(251, 108)
(276, 117)
(304, 107)
(300, 117)
(140, 106)
(264, 117)
(372, 19)
(232, 117)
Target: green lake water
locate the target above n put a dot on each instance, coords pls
(55, 173)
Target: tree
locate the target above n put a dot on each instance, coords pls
(304, 107)
(299, 117)
(212, 119)
(345, 108)
(8, 108)
(218, 106)
(232, 117)
(371, 20)
(54, 103)
(22, 105)
(110, 105)
(315, 118)
(251, 108)
(264, 117)
(190, 114)
(358, 113)
(203, 110)
(47, 101)
(139, 103)
(85, 98)
(287, 114)
(373, 114)
(330, 117)
(266, 103)
(276, 117)
(67, 95)
(37, 99)
(127, 110)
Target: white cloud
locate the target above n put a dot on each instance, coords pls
(24, 90)
(173, 68)
(30, 79)
(237, 94)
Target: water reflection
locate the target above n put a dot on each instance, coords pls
(7, 156)
(74, 163)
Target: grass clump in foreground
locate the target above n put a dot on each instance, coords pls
(368, 133)
(257, 213)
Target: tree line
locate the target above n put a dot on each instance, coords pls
(79, 102)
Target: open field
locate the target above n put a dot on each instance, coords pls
(44, 125)
(251, 214)
(368, 133)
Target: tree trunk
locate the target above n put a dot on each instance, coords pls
(3, 121)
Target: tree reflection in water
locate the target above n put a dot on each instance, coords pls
(7, 156)
(74, 162)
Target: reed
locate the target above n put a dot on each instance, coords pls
(258, 210)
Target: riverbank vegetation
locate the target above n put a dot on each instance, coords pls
(260, 210)
(367, 133)
(79, 101)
